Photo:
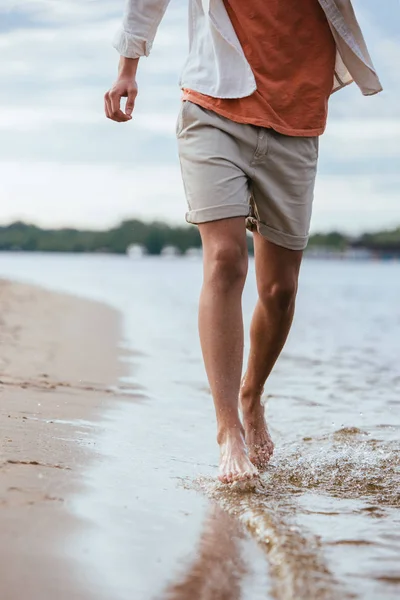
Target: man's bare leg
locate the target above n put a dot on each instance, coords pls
(221, 336)
(277, 271)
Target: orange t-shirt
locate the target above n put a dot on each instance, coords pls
(291, 50)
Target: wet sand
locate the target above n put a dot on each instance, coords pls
(58, 359)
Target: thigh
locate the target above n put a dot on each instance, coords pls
(215, 184)
(275, 264)
(283, 190)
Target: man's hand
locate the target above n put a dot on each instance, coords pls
(124, 87)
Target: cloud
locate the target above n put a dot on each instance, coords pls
(62, 12)
(360, 142)
(90, 195)
(356, 203)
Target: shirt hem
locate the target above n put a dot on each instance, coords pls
(253, 121)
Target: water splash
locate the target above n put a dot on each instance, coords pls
(346, 464)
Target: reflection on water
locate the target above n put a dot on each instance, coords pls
(221, 563)
(297, 566)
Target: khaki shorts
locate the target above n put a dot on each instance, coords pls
(232, 169)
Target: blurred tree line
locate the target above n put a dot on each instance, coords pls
(152, 236)
(156, 236)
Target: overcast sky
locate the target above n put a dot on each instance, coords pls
(63, 163)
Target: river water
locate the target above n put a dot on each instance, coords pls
(326, 517)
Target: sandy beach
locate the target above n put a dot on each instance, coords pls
(58, 361)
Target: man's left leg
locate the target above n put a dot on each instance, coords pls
(277, 271)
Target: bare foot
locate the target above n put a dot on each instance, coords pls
(258, 439)
(235, 465)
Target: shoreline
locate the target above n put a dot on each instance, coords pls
(59, 364)
(90, 502)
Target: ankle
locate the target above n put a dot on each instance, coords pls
(252, 409)
(253, 415)
(250, 397)
(227, 432)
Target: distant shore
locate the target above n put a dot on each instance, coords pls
(138, 237)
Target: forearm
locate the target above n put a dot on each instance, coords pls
(127, 67)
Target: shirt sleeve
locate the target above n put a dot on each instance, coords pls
(139, 27)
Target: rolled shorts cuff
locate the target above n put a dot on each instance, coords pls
(286, 240)
(215, 213)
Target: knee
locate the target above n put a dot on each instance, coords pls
(279, 295)
(227, 266)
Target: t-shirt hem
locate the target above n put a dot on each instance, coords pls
(253, 121)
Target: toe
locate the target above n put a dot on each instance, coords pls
(246, 475)
(236, 476)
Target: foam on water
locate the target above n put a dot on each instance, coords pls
(345, 464)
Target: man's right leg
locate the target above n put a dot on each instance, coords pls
(221, 336)
(214, 153)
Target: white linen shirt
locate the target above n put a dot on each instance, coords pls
(217, 66)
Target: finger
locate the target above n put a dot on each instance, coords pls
(130, 103)
(116, 112)
(107, 107)
(115, 99)
(119, 116)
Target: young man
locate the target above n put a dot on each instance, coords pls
(255, 88)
